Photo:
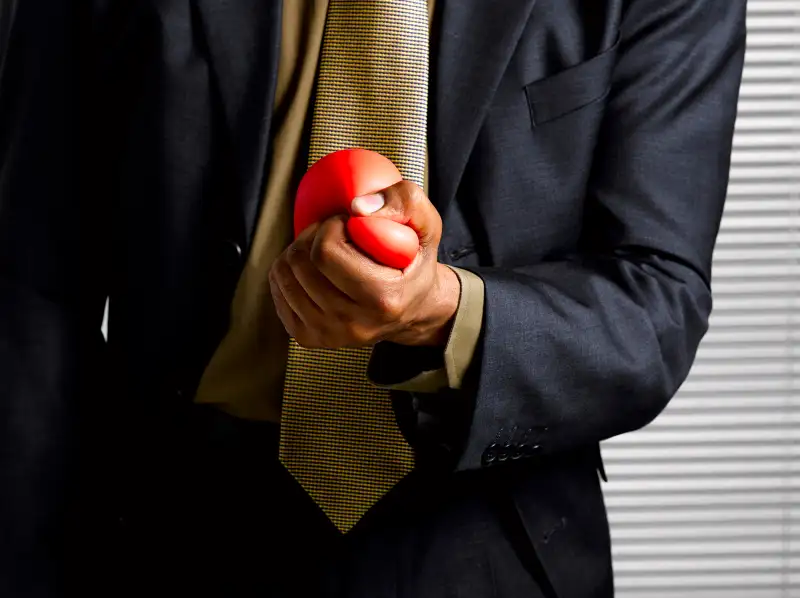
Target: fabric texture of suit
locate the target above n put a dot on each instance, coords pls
(579, 158)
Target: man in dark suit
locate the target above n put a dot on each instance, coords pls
(578, 157)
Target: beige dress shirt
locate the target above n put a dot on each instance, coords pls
(245, 375)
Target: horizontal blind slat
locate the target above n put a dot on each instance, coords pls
(705, 502)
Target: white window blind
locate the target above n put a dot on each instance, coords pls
(705, 502)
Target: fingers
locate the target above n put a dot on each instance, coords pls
(290, 320)
(324, 294)
(284, 283)
(305, 300)
(347, 268)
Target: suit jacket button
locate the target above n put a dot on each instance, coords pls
(233, 247)
(229, 265)
(529, 450)
(505, 452)
(490, 455)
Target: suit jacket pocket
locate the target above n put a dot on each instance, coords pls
(572, 89)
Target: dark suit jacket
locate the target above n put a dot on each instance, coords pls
(579, 157)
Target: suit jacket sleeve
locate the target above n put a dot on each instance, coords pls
(431, 369)
(594, 344)
(50, 312)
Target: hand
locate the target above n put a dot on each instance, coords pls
(329, 294)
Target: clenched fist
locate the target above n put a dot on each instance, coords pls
(328, 294)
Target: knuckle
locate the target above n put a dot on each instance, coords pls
(396, 196)
(408, 194)
(291, 329)
(307, 341)
(390, 306)
(292, 256)
(323, 252)
(344, 317)
(275, 271)
(407, 188)
(329, 340)
(285, 273)
(361, 336)
(415, 194)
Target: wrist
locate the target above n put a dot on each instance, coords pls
(432, 327)
(447, 295)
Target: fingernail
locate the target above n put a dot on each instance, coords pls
(367, 204)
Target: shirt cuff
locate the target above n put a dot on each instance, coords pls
(450, 367)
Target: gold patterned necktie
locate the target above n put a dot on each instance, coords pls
(339, 436)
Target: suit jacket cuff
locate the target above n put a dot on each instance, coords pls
(427, 369)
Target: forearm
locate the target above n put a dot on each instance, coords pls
(578, 351)
(594, 341)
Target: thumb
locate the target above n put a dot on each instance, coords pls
(407, 204)
(367, 204)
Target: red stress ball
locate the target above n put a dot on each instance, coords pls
(329, 187)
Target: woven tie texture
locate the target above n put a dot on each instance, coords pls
(339, 436)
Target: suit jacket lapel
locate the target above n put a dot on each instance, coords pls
(472, 50)
(243, 38)
(473, 46)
